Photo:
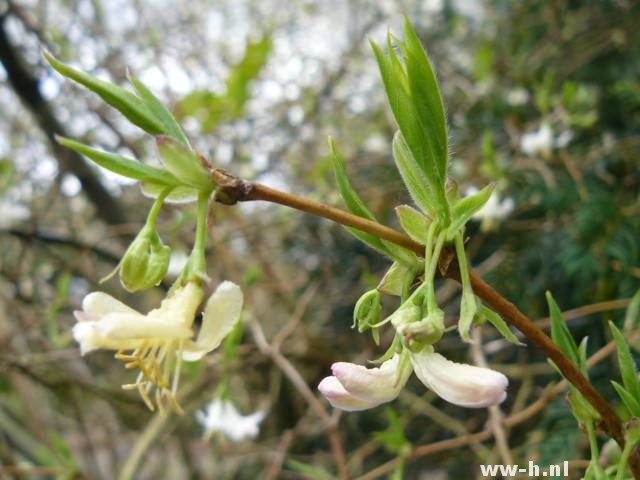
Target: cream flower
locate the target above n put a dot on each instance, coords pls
(354, 387)
(223, 417)
(538, 142)
(159, 341)
(459, 383)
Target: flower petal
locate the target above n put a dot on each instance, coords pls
(379, 385)
(87, 334)
(180, 307)
(338, 397)
(221, 314)
(97, 304)
(458, 383)
(119, 326)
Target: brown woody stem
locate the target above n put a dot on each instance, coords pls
(232, 189)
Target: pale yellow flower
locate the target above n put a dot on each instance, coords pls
(157, 343)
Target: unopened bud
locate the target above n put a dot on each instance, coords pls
(468, 308)
(408, 313)
(367, 310)
(145, 262)
(425, 332)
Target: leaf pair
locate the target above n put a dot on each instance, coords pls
(629, 391)
(144, 110)
(184, 175)
(417, 106)
(356, 206)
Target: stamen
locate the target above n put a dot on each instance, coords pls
(159, 365)
(145, 397)
(159, 402)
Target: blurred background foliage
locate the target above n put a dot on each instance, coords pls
(542, 97)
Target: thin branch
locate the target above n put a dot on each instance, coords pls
(232, 189)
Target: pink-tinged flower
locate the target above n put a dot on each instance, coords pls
(458, 383)
(354, 387)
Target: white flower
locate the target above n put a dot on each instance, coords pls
(354, 387)
(538, 142)
(459, 383)
(160, 340)
(518, 96)
(222, 416)
(495, 210)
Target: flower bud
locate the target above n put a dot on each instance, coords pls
(367, 310)
(425, 332)
(468, 308)
(145, 262)
(408, 313)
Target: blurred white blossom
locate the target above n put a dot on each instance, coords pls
(518, 96)
(221, 416)
(538, 142)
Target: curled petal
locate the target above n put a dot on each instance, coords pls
(221, 314)
(338, 397)
(378, 385)
(458, 383)
(97, 304)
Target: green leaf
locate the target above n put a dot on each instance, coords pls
(413, 222)
(499, 324)
(124, 166)
(352, 201)
(356, 206)
(411, 97)
(465, 208)
(413, 177)
(427, 99)
(560, 333)
(349, 195)
(122, 100)
(582, 353)
(180, 194)
(212, 108)
(183, 163)
(632, 403)
(395, 279)
(633, 312)
(156, 107)
(628, 369)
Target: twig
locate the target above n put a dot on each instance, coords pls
(232, 189)
(280, 455)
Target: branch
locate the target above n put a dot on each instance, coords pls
(232, 189)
